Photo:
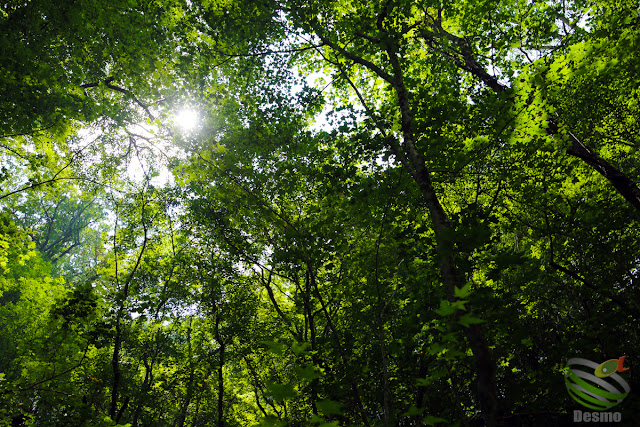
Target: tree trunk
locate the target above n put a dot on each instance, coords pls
(221, 343)
(483, 360)
(413, 160)
(115, 366)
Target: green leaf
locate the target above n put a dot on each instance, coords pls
(307, 373)
(413, 411)
(275, 347)
(462, 292)
(433, 376)
(316, 419)
(468, 319)
(431, 420)
(329, 407)
(297, 349)
(271, 421)
(445, 309)
(459, 304)
(281, 392)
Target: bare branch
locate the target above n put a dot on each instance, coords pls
(108, 83)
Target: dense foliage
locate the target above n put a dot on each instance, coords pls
(389, 213)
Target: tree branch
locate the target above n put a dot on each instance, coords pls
(108, 83)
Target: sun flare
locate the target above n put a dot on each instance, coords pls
(187, 119)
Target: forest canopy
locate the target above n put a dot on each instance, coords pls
(330, 213)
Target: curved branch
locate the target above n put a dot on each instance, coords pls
(108, 83)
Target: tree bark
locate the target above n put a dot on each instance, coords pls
(483, 360)
(622, 183)
(115, 359)
(115, 366)
(306, 295)
(221, 343)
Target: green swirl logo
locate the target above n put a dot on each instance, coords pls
(598, 387)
